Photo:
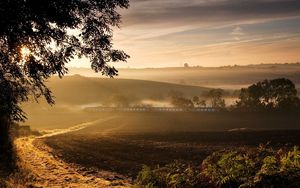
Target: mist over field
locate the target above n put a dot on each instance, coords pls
(74, 93)
(150, 94)
(227, 77)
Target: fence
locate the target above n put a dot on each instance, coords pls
(153, 109)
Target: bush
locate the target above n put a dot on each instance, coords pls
(147, 178)
(173, 175)
(258, 167)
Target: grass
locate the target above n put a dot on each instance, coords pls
(20, 178)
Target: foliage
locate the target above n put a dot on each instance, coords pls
(261, 167)
(182, 102)
(278, 94)
(147, 178)
(198, 102)
(246, 167)
(38, 39)
(173, 175)
(216, 98)
(178, 100)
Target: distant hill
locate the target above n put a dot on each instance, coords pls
(232, 77)
(79, 90)
(74, 93)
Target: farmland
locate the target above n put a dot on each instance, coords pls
(127, 141)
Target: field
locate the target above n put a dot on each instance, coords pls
(112, 147)
(127, 141)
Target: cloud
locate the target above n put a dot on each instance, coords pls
(237, 31)
(211, 32)
(178, 12)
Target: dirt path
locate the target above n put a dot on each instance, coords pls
(49, 171)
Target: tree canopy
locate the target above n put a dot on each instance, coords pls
(277, 94)
(38, 39)
(216, 98)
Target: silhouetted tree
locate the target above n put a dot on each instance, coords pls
(182, 102)
(37, 40)
(216, 98)
(277, 94)
(199, 102)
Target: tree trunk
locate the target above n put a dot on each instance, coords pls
(7, 154)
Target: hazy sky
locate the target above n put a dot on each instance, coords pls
(159, 33)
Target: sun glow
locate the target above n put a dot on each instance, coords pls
(25, 52)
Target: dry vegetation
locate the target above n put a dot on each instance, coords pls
(37, 167)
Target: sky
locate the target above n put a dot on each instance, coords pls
(210, 33)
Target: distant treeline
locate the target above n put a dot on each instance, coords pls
(269, 65)
(268, 95)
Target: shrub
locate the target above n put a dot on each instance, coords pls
(175, 175)
(260, 167)
(257, 167)
(147, 178)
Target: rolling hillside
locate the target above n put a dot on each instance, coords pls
(74, 93)
(79, 90)
(229, 77)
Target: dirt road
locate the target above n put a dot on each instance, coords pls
(48, 171)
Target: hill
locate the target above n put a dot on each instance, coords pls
(79, 90)
(231, 77)
(74, 93)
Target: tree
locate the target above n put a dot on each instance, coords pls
(182, 102)
(277, 94)
(216, 98)
(37, 40)
(178, 100)
(199, 102)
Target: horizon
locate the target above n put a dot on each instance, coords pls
(198, 66)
